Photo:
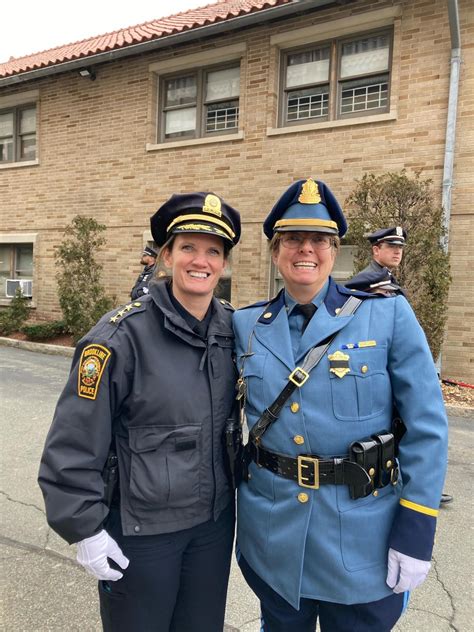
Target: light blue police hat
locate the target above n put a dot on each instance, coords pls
(307, 205)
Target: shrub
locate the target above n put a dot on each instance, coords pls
(13, 317)
(43, 331)
(82, 297)
(394, 199)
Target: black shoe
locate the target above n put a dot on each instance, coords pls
(445, 499)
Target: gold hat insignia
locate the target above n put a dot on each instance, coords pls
(309, 193)
(212, 205)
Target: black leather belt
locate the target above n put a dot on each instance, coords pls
(311, 471)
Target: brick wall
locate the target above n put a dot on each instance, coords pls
(93, 158)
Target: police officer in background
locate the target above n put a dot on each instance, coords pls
(141, 284)
(330, 524)
(154, 383)
(387, 252)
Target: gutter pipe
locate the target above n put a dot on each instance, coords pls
(453, 13)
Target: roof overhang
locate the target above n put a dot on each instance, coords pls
(218, 28)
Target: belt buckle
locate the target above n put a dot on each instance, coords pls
(298, 376)
(306, 462)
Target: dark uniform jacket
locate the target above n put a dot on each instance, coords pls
(141, 284)
(372, 274)
(145, 378)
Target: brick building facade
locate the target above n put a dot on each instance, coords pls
(271, 100)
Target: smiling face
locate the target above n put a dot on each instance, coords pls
(197, 263)
(306, 265)
(387, 254)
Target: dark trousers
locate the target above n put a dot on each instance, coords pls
(279, 616)
(175, 582)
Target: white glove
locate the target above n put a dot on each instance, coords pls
(92, 554)
(405, 572)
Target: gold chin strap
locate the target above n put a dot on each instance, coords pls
(200, 218)
(326, 223)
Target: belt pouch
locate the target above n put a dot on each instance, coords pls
(387, 462)
(365, 454)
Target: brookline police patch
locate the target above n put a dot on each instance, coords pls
(91, 366)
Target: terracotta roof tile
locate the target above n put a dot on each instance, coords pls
(148, 31)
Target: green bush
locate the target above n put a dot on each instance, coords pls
(13, 317)
(82, 297)
(43, 331)
(395, 199)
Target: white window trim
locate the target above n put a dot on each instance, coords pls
(21, 238)
(215, 56)
(350, 25)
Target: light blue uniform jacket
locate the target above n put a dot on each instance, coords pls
(331, 547)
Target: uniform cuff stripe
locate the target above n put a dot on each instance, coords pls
(420, 508)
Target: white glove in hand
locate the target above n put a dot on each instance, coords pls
(92, 554)
(405, 572)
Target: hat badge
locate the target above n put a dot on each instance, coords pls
(309, 193)
(212, 205)
(399, 231)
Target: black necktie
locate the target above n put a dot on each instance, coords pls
(307, 310)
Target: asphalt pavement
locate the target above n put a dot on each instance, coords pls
(44, 589)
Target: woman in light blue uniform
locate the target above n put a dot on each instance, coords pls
(330, 523)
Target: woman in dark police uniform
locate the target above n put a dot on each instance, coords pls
(330, 524)
(153, 383)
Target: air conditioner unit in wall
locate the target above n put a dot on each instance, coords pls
(25, 285)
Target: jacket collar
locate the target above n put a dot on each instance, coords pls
(220, 324)
(273, 332)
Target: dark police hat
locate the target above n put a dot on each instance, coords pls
(372, 280)
(395, 235)
(195, 213)
(150, 252)
(307, 205)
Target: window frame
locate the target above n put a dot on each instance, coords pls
(201, 73)
(17, 135)
(335, 82)
(13, 272)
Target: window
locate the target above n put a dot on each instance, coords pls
(18, 134)
(16, 263)
(200, 103)
(335, 80)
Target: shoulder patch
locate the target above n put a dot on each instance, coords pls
(91, 367)
(130, 308)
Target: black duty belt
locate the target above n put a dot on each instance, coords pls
(311, 471)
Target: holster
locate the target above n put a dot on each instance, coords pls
(388, 467)
(234, 446)
(365, 454)
(110, 477)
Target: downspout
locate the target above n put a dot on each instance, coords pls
(451, 122)
(449, 147)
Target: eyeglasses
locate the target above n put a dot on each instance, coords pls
(317, 241)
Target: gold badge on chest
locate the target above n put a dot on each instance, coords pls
(339, 363)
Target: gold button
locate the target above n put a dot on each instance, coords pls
(388, 465)
(298, 439)
(294, 407)
(137, 304)
(375, 493)
(365, 368)
(303, 498)
(267, 315)
(337, 310)
(371, 471)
